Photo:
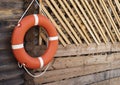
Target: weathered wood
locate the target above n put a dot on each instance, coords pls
(7, 4)
(113, 81)
(5, 36)
(10, 14)
(78, 50)
(76, 61)
(15, 81)
(7, 26)
(11, 74)
(8, 66)
(89, 67)
(89, 79)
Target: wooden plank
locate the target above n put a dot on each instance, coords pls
(89, 79)
(112, 81)
(8, 66)
(7, 26)
(67, 73)
(5, 45)
(14, 81)
(10, 74)
(6, 36)
(76, 61)
(78, 50)
(7, 4)
(8, 14)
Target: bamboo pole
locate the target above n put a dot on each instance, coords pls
(114, 11)
(100, 16)
(117, 4)
(57, 27)
(67, 23)
(110, 19)
(104, 18)
(77, 20)
(97, 22)
(84, 21)
(72, 19)
(63, 24)
(40, 11)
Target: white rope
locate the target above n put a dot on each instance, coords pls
(40, 6)
(25, 11)
(19, 65)
(36, 75)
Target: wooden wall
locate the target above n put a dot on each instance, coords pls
(10, 12)
(95, 60)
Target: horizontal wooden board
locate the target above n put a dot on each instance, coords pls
(70, 50)
(8, 66)
(113, 81)
(5, 46)
(14, 81)
(10, 74)
(9, 13)
(5, 36)
(7, 26)
(55, 75)
(7, 4)
(76, 61)
(89, 79)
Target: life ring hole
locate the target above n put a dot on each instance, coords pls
(36, 41)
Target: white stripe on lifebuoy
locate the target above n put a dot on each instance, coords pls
(41, 62)
(53, 38)
(36, 19)
(19, 46)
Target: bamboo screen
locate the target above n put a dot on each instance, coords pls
(84, 21)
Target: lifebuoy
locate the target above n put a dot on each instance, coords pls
(18, 41)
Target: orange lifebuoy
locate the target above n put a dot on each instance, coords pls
(18, 41)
